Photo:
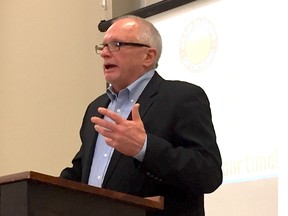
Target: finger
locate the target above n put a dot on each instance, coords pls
(94, 119)
(109, 142)
(135, 113)
(106, 133)
(103, 131)
(103, 123)
(110, 114)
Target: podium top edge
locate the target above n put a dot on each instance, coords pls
(15, 177)
(147, 202)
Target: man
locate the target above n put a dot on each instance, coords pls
(147, 136)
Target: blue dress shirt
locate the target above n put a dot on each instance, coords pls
(122, 104)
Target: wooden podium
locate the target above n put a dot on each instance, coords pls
(34, 194)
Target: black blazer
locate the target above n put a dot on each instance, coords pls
(182, 160)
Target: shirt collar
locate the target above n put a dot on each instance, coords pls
(134, 89)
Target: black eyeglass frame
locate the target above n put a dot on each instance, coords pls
(116, 46)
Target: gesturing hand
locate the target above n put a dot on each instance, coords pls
(126, 136)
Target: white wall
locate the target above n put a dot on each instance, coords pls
(49, 72)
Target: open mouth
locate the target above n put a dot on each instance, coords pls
(109, 66)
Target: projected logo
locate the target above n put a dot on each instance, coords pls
(198, 45)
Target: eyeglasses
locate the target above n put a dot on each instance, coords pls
(115, 46)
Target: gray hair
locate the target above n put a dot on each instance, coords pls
(148, 35)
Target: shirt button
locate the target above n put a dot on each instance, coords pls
(131, 100)
(105, 155)
(98, 177)
(118, 110)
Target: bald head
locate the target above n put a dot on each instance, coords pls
(145, 31)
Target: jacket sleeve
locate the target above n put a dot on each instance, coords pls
(73, 173)
(188, 159)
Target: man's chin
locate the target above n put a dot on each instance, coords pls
(109, 79)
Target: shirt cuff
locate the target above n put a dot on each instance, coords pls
(140, 156)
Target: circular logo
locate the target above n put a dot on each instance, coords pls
(198, 45)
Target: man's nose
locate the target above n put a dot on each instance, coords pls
(105, 52)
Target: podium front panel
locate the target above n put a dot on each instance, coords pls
(32, 198)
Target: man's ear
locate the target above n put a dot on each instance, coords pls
(150, 57)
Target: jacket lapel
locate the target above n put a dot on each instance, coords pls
(89, 152)
(146, 101)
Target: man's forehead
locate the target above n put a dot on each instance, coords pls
(121, 30)
(126, 23)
